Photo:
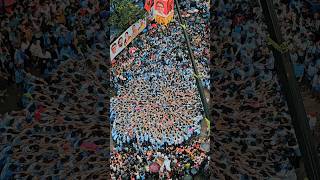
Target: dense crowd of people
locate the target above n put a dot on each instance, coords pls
(174, 162)
(301, 29)
(253, 135)
(63, 130)
(157, 107)
(300, 25)
(41, 34)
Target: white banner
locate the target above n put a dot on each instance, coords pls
(122, 41)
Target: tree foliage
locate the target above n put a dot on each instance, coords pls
(124, 14)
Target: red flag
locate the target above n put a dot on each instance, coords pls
(148, 4)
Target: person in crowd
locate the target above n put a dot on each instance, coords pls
(299, 27)
(41, 35)
(252, 116)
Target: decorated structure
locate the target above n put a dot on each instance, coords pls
(163, 10)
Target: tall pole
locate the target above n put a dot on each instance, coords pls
(194, 65)
(293, 96)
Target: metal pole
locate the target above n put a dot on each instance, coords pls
(293, 96)
(195, 69)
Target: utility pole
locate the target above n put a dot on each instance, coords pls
(294, 99)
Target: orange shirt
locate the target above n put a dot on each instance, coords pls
(60, 17)
(28, 32)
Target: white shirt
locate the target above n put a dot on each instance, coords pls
(294, 57)
(36, 49)
(46, 55)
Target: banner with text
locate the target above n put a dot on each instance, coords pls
(122, 41)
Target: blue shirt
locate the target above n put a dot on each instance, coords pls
(83, 3)
(72, 19)
(104, 14)
(67, 51)
(19, 76)
(299, 70)
(69, 37)
(61, 41)
(312, 70)
(19, 57)
(46, 40)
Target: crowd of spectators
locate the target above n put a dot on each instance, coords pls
(63, 129)
(41, 34)
(300, 28)
(253, 136)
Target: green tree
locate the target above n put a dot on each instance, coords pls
(124, 14)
